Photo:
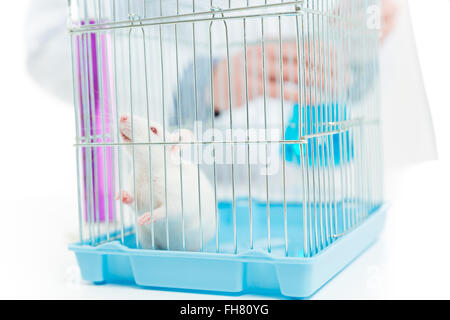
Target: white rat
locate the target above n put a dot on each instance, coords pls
(153, 210)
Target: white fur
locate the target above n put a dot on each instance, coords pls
(190, 174)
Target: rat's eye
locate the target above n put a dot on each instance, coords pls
(154, 130)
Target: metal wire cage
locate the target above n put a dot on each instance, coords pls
(273, 106)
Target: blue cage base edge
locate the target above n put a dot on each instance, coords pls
(250, 271)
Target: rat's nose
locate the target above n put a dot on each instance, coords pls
(123, 118)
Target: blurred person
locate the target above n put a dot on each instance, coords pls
(407, 125)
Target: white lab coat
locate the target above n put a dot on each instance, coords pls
(408, 131)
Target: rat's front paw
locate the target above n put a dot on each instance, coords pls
(126, 198)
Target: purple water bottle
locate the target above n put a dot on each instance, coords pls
(93, 52)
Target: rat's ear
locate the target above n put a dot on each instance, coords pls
(182, 135)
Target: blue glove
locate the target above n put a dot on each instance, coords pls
(325, 113)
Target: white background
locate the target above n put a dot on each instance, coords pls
(38, 188)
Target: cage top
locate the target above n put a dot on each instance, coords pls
(113, 14)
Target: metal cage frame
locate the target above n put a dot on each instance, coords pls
(341, 185)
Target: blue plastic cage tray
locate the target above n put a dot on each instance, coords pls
(249, 271)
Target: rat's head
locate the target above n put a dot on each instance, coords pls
(141, 131)
(138, 130)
